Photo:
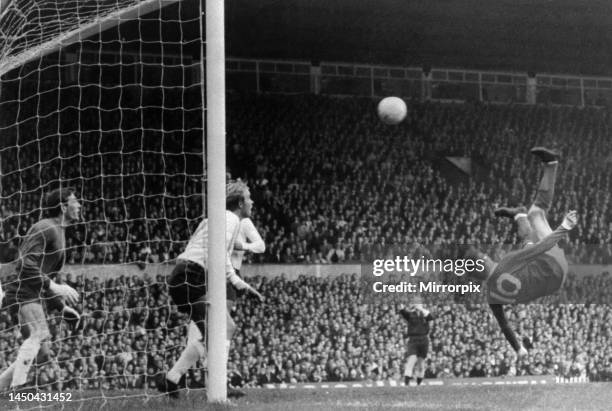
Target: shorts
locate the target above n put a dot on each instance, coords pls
(232, 294)
(186, 284)
(19, 292)
(418, 345)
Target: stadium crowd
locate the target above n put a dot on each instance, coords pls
(330, 181)
(331, 184)
(313, 330)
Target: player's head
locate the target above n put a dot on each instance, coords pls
(238, 198)
(415, 307)
(62, 202)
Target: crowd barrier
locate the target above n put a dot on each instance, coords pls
(289, 271)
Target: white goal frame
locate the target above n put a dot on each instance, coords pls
(95, 27)
(213, 92)
(216, 384)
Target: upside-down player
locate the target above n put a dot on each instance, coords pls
(41, 254)
(540, 267)
(187, 285)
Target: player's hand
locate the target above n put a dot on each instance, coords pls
(64, 290)
(70, 294)
(257, 294)
(239, 245)
(570, 220)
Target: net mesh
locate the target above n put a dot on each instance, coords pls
(106, 97)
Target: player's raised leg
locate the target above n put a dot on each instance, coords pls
(545, 193)
(519, 215)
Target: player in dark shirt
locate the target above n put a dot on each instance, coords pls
(418, 319)
(540, 267)
(41, 255)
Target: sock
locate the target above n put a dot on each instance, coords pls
(188, 358)
(409, 367)
(419, 380)
(6, 377)
(26, 355)
(407, 379)
(546, 189)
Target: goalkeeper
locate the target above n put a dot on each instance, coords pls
(187, 285)
(41, 254)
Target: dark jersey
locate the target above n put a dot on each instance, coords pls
(41, 253)
(532, 272)
(418, 323)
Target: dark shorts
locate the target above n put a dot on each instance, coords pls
(232, 293)
(418, 345)
(20, 293)
(186, 284)
(23, 291)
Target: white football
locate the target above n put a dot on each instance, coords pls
(392, 110)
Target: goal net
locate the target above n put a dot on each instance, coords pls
(104, 96)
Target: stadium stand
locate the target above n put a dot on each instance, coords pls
(131, 333)
(332, 184)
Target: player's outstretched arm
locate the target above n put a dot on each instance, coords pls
(64, 290)
(240, 284)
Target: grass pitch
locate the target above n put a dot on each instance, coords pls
(587, 396)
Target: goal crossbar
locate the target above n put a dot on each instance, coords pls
(86, 30)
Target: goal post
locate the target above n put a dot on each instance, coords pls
(215, 126)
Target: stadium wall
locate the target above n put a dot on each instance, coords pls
(418, 83)
(289, 271)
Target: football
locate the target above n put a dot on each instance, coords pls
(392, 110)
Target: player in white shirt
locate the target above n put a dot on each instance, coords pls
(187, 284)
